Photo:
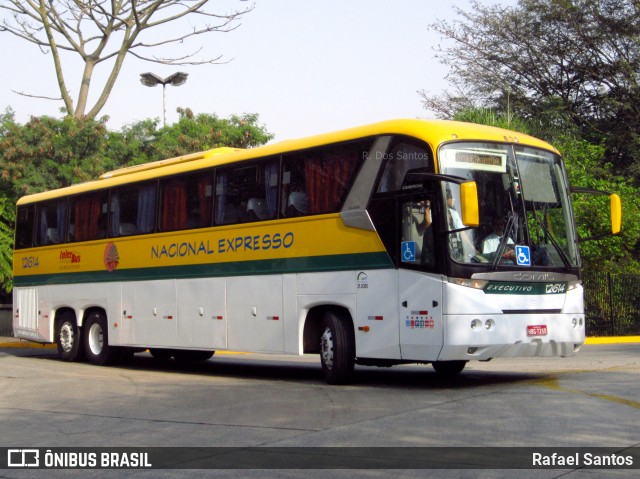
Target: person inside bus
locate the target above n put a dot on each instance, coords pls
(460, 244)
(424, 229)
(426, 255)
(492, 241)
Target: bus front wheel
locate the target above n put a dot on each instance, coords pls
(96, 341)
(69, 338)
(337, 349)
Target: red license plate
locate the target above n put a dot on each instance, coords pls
(537, 330)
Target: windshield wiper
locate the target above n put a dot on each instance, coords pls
(512, 220)
(554, 242)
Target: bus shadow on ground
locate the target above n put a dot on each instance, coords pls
(414, 376)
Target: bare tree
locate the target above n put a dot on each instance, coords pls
(102, 31)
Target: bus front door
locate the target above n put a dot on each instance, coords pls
(420, 315)
(419, 287)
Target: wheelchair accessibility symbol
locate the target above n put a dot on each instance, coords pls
(523, 255)
(408, 251)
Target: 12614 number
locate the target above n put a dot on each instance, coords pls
(29, 262)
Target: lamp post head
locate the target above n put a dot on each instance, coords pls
(175, 79)
(151, 79)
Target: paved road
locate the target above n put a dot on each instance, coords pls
(590, 400)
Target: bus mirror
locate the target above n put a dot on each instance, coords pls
(469, 204)
(616, 214)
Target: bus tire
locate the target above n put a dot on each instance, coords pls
(161, 354)
(96, 341)
(337, 349)
(69, 338)
(190, 356)
(448, 368)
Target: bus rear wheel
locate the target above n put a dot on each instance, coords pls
(337, 349)
(96, 341)
(449, 368)
(69, 338)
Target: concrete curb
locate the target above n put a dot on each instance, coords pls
(15, 343)
(613, 340)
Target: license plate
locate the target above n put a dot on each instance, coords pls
(537, 330)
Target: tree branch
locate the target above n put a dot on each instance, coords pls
(108, 30)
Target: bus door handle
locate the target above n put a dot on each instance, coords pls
(434, 304)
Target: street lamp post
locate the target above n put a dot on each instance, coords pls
(151, 79)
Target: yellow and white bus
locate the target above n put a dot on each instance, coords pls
(406, 241)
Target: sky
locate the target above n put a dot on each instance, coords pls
(304, 67)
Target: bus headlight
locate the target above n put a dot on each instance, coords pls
(573, 285)
(470, 283)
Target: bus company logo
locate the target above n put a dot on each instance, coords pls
(111, 257)
(71, 257)
(23, 458)
(362, 280)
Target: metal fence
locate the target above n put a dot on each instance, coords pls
(612, 304)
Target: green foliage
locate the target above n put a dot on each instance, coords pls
(48, 153)
(7, 222)
(587, 167)
(193, 133)
(491, 117)
(572, 60)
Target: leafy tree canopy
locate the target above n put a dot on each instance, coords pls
(571, 59)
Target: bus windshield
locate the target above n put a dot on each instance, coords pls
(525, 213)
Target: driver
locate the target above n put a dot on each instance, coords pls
(491, 243)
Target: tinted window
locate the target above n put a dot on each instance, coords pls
(25, 219)
(186, 202)
(133, 209)
(247, 192)
(317, 180)
(402, 157)
(52, 222)
(88, 216)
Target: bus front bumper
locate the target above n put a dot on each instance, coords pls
(483, 337)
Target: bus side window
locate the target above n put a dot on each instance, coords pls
(400, 159)
(294, 195)
(316, 181)
(88, 216)
(25, 226)
(186, 202)
(52, 223)
(247, 193)
(133, 209)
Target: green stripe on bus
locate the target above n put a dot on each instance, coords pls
(241, 268)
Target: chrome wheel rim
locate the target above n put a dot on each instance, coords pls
(66, 337)
(326, 348)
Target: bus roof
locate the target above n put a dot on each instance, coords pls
(433, 132)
